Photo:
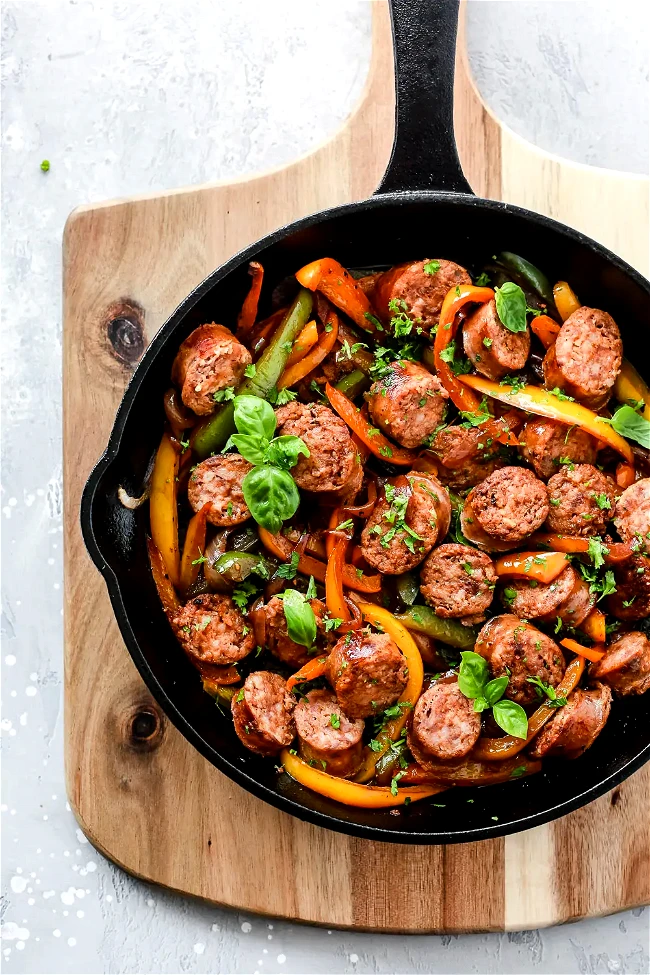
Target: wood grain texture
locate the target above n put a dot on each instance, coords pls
(153, 804)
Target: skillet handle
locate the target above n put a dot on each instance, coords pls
(424, 153)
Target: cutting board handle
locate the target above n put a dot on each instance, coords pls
(424, 153)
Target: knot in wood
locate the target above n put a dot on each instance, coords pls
(143, 728)
(124, 327)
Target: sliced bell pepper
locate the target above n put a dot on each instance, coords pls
(455, 299)
(353, 383)
(310, 671)
(193, 548)
(595, 626)
(334, 597)
(248, 313)
(496, 749)
(545, 329)
(542, 566)
(352, 578)
(422, 619)
(321, 350)
(380, 617)
(369, 435)
(625, 475)
(305, 341)
(591, 653)
(566, 300)
(534, 399)
(573, 545)
(471, 772)
(214, 676)
(531, 275)
(221, 693)
(630, 388)
(163, 507)
(331, 279)
(166, 592)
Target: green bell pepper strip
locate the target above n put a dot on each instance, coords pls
(233, 568)
(408, 588)
(210, 435)
(422, 619)
(531, 275)
(353, 383)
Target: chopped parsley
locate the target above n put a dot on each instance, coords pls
(546, 690)
(289, 570)
(602, 501)
(250, 370)
(278, 397)
(242, 594)
(224, 395)
(431, 267)
(516, 382)
(335, 721)
(556, 391)
(482, 280)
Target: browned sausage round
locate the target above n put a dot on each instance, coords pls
(545, 442)
(514, 647)
(492, 348)
(422, 292)
(567, 597)
(424, 509)
(626, 665)
(332, 456)
(458, 582)
(509, 504)
(581, 501)
(473, 468)
(407, 403)
(632, 518)
(586, 357)
(576, 725)
(471, 529)
(218, 481)
(368, 673)
(210, 359)
(631, 601)
(213, 630)
(262, 713)
(445, 725)
(327, 738)
(277, 638)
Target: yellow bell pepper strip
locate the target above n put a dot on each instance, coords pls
(595, 626)
(332, 280)
(542, 566)
(369, 435)
(282, 548)
(534, 399)
(455, 299)
(574, 545)
(193, 548)
(248, 313)
(545, 329)
(222, 695)
(591, 653)
(630, 388)
(422, 619)
(496, 749)
(305, 341)
(379, 617)
(166, 592)
(471, 772)
(321, 350)
(334, 597)
(566, 300)
(163, 508)
(353, 793)
(309, 671)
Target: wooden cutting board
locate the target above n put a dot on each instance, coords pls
(143, 796)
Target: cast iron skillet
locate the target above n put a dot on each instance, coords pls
(424, 206)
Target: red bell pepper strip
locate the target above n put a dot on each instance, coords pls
(545, 329)
(572, 544)
(321, 350)
(309, 671)
(334, 597)
(591, 653)
(352, 578)
(595, 626)
(332, 280)
(304, 343)
(248, 313)
(455, 299)
(166, 592)
(193, 548)
(369, 435)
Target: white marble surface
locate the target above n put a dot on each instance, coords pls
(129, 97)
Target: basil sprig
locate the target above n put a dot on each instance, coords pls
(630, 424)
(301, 621)
(269, 490)
(511, 306)
(473, 683)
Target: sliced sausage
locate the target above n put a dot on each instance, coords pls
(332, 454)
(568, 597)
(407, 403)
(576, 725)
(586, 357)
(474, 467)
(348, 491)
(471, 529)
(510, 504)
(458, 582)
(277, 638)
(514, 647)
(213, 630)
(218, 481)
(367, 672)
(210, 359)
(262, 713)
(545, 443)
(423, 293)
(631, 601)
(626, 665)
(581, 501)
(493, 349)
(406, 523)
(632, 517)
(327, 738)
(445, 725)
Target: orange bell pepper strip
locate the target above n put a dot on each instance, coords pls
(353, 793)
(566, 300)
(163, 508)
(630, 388)
(545, 329)
(214, 677)
(591, 653)
(542, 566)
(534, 399)
(496, 749)
(471, 772)
(309, 671)
(305, 341)
(595, 626)
(321, 350)
(336, 518)
(613, 551)
(248, 313)
(331, 279)
(455, 299)
(625, 475)
(282, 549)
(334, 597)
(193, 548)
(369, 435)
(166, 592)
(379, 617)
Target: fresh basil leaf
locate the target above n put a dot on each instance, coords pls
(271, 495)
(301, 621)
(511, 306)
(511, 717)
(495, 689)
(473, 674)
(630, 424)
(254, 417)
(252, 449)
(284, 452)
(480, 704)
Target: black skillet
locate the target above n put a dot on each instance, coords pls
(424, 206)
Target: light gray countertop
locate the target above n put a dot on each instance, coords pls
(130, 97)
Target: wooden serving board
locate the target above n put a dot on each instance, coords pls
(143, 796)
